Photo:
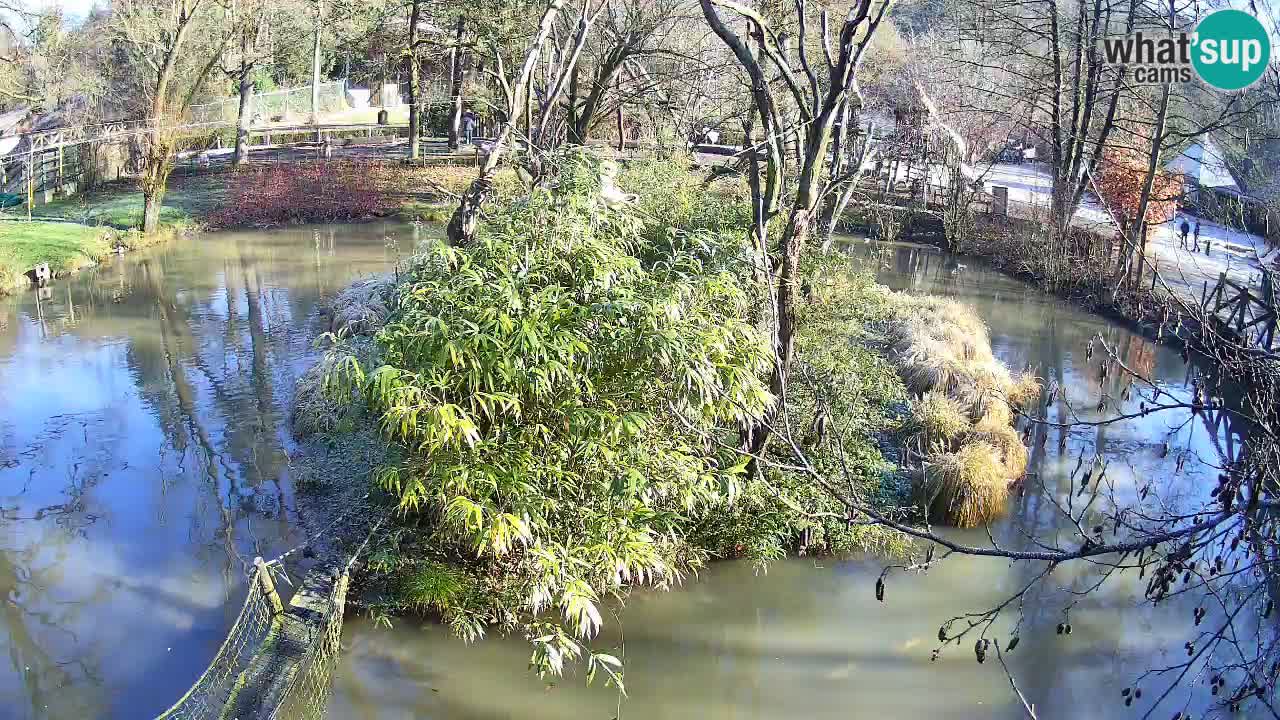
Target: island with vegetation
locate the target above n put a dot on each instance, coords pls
(918, 332)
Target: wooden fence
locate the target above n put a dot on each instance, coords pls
(1249, 314)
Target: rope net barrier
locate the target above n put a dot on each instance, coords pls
(212, 692)
(277, 663)
(306, 694)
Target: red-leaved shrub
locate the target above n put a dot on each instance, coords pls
(320, 191)
(310, 191)
(1120, 182)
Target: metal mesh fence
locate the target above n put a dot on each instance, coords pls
(291, 103)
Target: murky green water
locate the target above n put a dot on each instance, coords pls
(809, 640)
(144, 458)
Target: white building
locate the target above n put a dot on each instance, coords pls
(1203, 166)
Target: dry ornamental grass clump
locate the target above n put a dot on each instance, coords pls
(1013, 454)
(938, 420)
(963, 419)
(967, 488)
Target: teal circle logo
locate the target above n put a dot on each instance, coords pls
(1231, 49)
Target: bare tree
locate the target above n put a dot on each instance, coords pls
(561, 57)
(815, 97)
(630, 30)
(252, 30)
(169, 48)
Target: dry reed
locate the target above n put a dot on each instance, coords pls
(965, 411)
(966, 488)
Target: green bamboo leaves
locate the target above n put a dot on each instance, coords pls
(532, 380)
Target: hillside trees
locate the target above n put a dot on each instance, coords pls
(43, 63)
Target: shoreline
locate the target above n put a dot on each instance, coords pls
(114, 239)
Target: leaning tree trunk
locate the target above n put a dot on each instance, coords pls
(243, 115)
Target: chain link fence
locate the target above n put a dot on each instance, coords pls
(290, 103)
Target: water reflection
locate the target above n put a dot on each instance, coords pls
(144, 457)
(809, 640)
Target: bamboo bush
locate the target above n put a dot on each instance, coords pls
(550, 388)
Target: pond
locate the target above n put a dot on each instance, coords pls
(808, 639)
(145, 457)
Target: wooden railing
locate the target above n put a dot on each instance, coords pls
(1248, 313)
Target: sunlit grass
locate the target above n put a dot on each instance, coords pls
(65, 246)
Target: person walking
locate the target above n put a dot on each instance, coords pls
(468, 126)
(1185, 229)
(1196, 244)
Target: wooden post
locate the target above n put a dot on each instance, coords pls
(268, 586)
(31, 182)
(1269, 300)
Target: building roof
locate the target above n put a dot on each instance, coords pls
(1205, 165)
(9, 121)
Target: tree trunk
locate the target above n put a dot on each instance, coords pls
(243, 115)
(784, 306)
(455, 86)
(1153, 167)
(152, 201)
(571, 110)
(622, 134)
(415, 112)
(584, 116)
(315, 67)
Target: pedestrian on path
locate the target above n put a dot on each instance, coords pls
(1196, 246)
(1185, 229)
(468, 126)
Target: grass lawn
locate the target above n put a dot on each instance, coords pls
(67, 247)
(118, 210)
(119, 204)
